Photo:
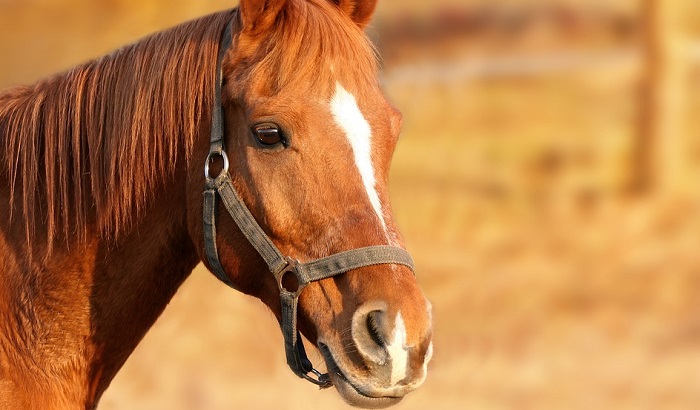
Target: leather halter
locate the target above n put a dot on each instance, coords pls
(280, 266)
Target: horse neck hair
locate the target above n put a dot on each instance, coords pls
(84, 151)
(91, 145)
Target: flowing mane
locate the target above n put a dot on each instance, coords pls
(100, 137)
(97, 139)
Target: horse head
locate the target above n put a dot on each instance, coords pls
(309, 136)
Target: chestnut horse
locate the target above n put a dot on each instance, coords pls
(101, 181)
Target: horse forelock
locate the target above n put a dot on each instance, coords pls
(88, 147)
(311, 44)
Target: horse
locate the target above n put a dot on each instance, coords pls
(112, 180)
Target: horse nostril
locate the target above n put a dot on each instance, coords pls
(375, 321)
(370, 334)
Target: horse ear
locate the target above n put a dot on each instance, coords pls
(360, 11)
(259, 15)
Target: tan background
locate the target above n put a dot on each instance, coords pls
(546, 183)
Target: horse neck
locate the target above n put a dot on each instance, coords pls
(73, 318)
(137, 278)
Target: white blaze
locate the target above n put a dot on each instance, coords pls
(398, 352)
(358, 131)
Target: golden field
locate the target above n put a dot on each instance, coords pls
(556, 284)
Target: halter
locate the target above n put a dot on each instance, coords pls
(280, 266)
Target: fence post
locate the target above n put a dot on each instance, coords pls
(659, 150)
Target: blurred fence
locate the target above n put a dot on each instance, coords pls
(646, 52)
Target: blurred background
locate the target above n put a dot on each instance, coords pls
(546, 183)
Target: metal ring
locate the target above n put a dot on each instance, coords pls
(292, 267)
(211, 155)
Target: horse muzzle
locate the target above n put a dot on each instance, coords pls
(383, 363)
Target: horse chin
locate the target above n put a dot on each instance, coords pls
(352, 394)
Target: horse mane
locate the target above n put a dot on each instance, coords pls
(97, 139)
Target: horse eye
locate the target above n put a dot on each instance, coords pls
(268, 135)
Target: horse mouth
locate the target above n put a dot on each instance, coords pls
(352, 394)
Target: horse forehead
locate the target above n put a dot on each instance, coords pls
(370, 100)
(360, 115)
(348, 114)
